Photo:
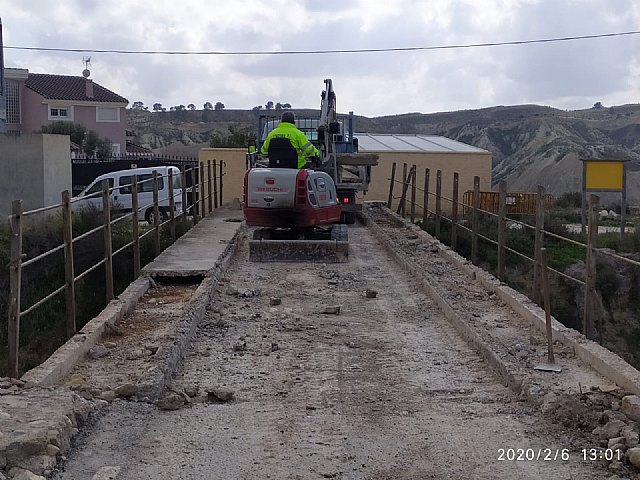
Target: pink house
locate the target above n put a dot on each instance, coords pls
(35, 99)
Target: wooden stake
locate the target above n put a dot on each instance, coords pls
(135, 226)
(108, 249)
(393, 181)
(69, 276)
(547, 303)
(474, 220)
(15, 287)
(502, 226)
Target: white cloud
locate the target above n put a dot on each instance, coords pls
(566, 75)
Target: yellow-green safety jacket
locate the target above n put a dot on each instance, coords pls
(298, 139)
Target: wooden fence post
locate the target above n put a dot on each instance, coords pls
(209, 186)
(502, 228)
(215, 185)
(156, 213)
(195, 191)
(135, 226)
(108, 248)
(393, 181)
(438, 202)
(69, 275)
(202, 197)
(401, 206)
(590, 276)
(172, 206)
(413, 194)
(221, 175)
(425, 211)
(15, 287)
(474, 220)
(546, 293)
(454, 212)
(183, 184)
(539, 243)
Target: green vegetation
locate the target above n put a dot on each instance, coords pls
(236, 138)
(88, 140)
(43, 330)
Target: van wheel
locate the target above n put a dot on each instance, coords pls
(148, 216)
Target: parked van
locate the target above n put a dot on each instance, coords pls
(121, 196)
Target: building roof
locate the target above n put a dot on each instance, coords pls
(64, 87)
(374, 142)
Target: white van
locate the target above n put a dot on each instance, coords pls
(121, 196)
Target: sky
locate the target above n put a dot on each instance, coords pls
(567, 75)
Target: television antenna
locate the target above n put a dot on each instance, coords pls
(87, 63)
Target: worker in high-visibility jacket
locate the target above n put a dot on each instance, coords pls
(287, 129)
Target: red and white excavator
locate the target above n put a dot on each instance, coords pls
(303, 213)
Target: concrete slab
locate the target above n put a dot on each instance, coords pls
(197, 251)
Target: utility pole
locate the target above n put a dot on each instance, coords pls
(3, 95)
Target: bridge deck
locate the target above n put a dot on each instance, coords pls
(196, 252)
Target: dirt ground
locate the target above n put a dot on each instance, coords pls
(383, 390)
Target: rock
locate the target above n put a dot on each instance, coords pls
(153, 348)
(273, 301)
(126, 390)
(630, 436)
(171, 401)
(631, 407)
(617, 446)
(76, 381)
(250, 293)
(108, 396)
(52, 450)
(220, 395)
(240, 347)
(274, 347)
(616, 466)
(332, 282)
(369, 293)
(20, 474)
(2, 477)
(331, 310)
(610, 430)
(609, 415)
(191, 390)
(110, 345)
(615, 441)
(634, 456)
(608, 388)
(99, 351)
(231, 290)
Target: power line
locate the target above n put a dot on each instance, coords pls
(320, 52)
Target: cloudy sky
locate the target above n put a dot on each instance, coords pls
(569, 75)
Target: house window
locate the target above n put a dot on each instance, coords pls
(60, 113)
(107, 114)
(13, 102)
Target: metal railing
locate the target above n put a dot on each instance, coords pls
(203, 201)
(472, 217)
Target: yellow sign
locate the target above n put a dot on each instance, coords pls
(604, 175)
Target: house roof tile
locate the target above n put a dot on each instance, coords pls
(64, 87)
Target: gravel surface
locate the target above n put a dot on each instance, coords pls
(383, 389)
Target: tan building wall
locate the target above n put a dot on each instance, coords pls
(233, 171)
(466, 164)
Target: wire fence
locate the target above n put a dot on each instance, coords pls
(175, 208)
(469, 223)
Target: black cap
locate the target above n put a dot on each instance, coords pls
(288, 117)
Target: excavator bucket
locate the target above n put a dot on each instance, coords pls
(323, 246)
(305, 251)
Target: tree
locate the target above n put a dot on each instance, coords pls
(269, 105)
(597, 105)
(286, 106)
(278, 106)
(89, 141)
(219, 106)
(191, 106)
(207, 106)
(172, 109)
(257, 108)
(157, 107)
(236, 138)
(138, 106)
